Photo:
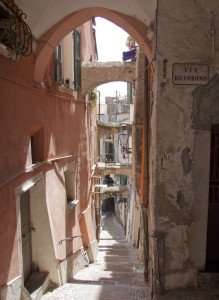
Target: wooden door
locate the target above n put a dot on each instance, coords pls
(26, 234)
(212, 259)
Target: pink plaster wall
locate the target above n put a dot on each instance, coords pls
(24, 109)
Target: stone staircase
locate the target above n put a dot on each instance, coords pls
(115, 275)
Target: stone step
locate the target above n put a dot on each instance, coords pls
(75, 291)
(115, 278)
(116, 274)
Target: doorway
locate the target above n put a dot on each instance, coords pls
(37, 255)
(26, 234)
(212, 258)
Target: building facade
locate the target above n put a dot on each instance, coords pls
(44, 210)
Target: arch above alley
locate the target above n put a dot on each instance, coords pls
(48, 41)
(97, 73)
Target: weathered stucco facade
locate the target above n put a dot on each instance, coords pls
(180, 150)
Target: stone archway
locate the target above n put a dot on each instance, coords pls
(95, 74)
(51, 38)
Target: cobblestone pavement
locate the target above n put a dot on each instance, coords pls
(115, 275)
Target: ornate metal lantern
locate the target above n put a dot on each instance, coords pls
(15, 33)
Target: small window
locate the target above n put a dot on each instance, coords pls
(123, 180)
(37, 146)
(70, 186)
(109, 152)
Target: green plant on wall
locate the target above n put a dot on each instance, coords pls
(93, 97)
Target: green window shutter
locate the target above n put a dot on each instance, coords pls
(77, 60)
(58, 64)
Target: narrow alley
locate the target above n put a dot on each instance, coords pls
(115, 275)
(109, 150)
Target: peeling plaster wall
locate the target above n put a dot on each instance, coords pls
(182, 160)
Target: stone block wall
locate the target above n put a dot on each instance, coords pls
(186, 33)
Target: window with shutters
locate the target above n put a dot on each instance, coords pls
(77, 60)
